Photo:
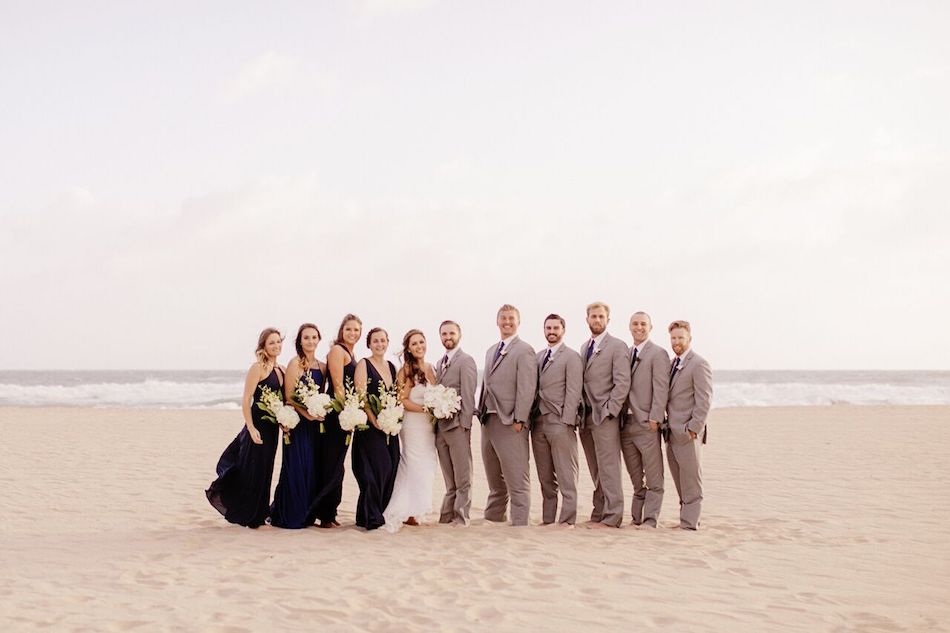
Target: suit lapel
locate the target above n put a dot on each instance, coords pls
(550, 362)
(597, 350)
(681, 368)
(504, 353)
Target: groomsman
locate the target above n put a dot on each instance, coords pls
(646, 406)
(606, 388)
(453, 437)
(553, 435)
(504, 406)
(686, 410)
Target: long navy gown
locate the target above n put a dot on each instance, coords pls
(374, 462)
(330, 450)
(242, 490)
(297, 485)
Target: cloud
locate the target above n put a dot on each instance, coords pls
(266, 72)
(374, 8)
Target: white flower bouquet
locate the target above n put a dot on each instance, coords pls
(388, 409)
(308, 395)
(441, 402)
(349, 405)
(272, 404)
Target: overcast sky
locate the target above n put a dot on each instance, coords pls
(177, 176)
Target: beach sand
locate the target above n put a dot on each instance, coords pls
(815, 519)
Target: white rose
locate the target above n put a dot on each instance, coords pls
(287, 416)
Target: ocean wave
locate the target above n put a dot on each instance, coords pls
(149, 393)
(755, 394)
(225, 394)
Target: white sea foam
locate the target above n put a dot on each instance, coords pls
(762, 394)
(222, 390)
(148, 393)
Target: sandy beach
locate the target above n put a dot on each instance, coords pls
(815, 519)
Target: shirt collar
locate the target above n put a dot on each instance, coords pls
(553, 349)
(450, 354)
(599, 339)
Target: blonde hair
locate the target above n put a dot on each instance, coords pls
(508, 308)
(598, 304)
(680, 324)
(262, 341)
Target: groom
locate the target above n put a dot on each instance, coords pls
(453, 437)
(508, 389)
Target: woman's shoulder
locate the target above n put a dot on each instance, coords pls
(257, 370)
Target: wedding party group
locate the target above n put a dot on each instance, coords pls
(622, 402)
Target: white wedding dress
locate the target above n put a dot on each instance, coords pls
(418, 462)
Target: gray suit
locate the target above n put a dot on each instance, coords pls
(642, 451)
(553, 435)
(453, 438)
(606, 387)
(686, 410)
(508, 389)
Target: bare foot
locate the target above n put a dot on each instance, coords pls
(410, 521)
(599, 526)
(328, 524)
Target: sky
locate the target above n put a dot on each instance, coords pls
(176, 176)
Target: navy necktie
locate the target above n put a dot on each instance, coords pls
(676, 365)
(546, 359)
(633, 361)
(590, 349)
(501, 346)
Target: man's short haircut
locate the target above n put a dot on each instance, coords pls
(450, 322)
(508, 308)
(556, 317)
(646, 314)
(680, 324)
(598, 304)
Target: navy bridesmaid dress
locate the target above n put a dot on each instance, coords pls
(242, 490)
(297, 486)
(330, 450)
(374, 462)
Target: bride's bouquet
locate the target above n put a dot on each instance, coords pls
(272, 404)
(349, 405)
(441, 402)
(388, 409)
(308, 395)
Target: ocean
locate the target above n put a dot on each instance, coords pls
(222, 389)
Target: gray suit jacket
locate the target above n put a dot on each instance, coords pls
(509, 384)
(606, 378)
(462, 375)
(560, 383)
(649, 384)
(690, 395)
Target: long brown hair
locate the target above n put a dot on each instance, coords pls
(298, 344)
(262, 340)
(413, 368)
(339, 333)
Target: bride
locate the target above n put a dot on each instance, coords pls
(412, 492)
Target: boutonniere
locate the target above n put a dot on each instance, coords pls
(597, 351)
(504, 352)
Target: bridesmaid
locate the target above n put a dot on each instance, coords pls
(331, 447)
(242, 490)
(374, 459)
(297, 486)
